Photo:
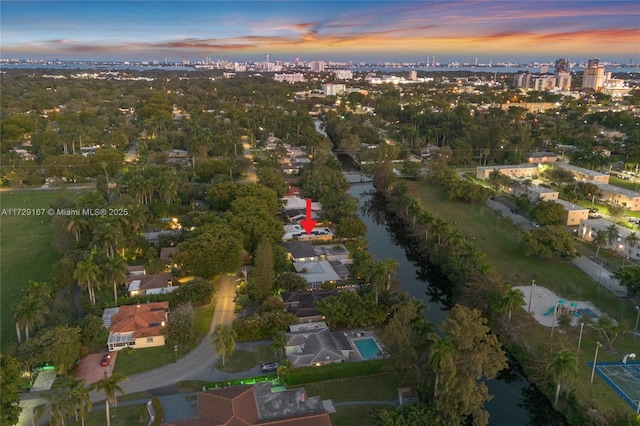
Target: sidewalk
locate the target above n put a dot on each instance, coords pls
(600, 275)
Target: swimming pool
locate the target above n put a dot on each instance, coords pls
(367, 347)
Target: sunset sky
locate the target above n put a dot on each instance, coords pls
(356, 30)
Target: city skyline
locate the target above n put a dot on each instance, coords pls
(332, 30)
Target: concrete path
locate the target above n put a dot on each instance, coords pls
(592, 268)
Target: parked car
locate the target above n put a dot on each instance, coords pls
(595, 216)
(593, 210)
(106, 360)
(535, 224)
(514, 211)
(269, 366)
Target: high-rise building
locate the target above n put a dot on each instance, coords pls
(563, 80)
(413, 75)
(522, 80)
(316, 66)
(562, 64)
(475, 62)
(594, 75)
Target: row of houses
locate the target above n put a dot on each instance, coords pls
(607, 193)
(623, 241)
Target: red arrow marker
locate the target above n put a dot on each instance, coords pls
(308, 223)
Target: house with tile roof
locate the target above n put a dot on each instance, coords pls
(137, 326)
(314, 344)
(257, 405)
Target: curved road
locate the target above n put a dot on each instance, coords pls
(198, 363)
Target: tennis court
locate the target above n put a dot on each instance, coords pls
(623, 378)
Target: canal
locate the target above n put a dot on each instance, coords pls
(516, 402)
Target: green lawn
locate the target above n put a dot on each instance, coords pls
(202, 321)
(498, 237)
(238, 362)
(120, 416)
(356, 415)
(25, 252)
(626, 184)
(140, 360)
(242, 360)
(378, 387)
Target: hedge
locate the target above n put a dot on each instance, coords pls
(342, 370)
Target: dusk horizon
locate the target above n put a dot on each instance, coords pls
(491, 31)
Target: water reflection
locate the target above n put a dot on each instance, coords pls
(516, 402)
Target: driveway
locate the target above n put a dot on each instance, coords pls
(198, 363)
(90, 369)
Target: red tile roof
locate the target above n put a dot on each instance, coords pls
(144, 320)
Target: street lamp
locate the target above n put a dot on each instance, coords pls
(595, 360)
(533, 284)
(627, 357)
(175, 351)
(635, 331)
(553, 321)
(580, 338)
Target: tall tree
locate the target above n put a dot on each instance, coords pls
(478, 357)
(81, 397)
(110, 385)
(115, 272)
(599, 240)
(564, 366)
(87, 273)
(58, 405)
(9, 390)
(29, 313)
(223, 341)
(380, 275)
(511, 300)
(441, 358)
(262, 276)
(631, 240)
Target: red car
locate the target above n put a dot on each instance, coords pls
(106, 360)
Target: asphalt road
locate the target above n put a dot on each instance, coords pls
(199, 362)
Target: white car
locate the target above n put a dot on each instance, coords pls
(535, 224)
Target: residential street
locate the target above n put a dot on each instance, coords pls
(196, 365)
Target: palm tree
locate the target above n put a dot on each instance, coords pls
(278, 343)
(380, 275)
(631, 240)
(441, 354)
(109, 385)
(564, 366)
(224, 341)
(58, 405)
(80, 395)
(599, 240)
(426, 221)
(612, 234)
(114, 273)
(439, 227)
(511, 300)
(87, 273)
(29, 313)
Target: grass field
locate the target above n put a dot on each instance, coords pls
(379, 387)
(140, 360)
(498, 238)
(120, 416)
(25, 252)
(356, 415)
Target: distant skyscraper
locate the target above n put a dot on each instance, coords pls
(475, 62)
(413, 75)
(594, 75)
(266, 58)
(522, 80)
(317, 66)
(562, 65)
(563, 80)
